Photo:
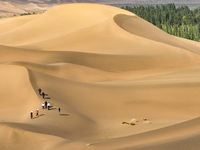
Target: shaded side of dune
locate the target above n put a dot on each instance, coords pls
(98, 61)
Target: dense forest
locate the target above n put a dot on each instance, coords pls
(178, 21)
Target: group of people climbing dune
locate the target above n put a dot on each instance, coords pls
(44, 105)
(37, 113)
(41, 93)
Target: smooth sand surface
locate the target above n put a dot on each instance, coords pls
(103, 66)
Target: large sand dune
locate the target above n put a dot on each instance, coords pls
(103, 66)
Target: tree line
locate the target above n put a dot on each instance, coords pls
(28, 14)
(178, 21)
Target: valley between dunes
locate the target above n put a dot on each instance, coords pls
(103, 66)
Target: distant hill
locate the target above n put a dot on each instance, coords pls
(53, 1)
(186, 2)
(9, 8)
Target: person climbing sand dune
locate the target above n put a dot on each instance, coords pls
(43, 94)
(31, 114)
(43, 104)
(39, 90)
(48, 105)
(37, 112)
(59, 110)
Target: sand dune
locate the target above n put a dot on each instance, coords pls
(103, 66)
(158, 139)
(9, 9)
(15, 8)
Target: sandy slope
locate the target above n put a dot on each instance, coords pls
(102, 66)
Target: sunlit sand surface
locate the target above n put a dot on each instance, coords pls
(103, 66)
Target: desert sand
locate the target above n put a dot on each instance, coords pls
(16, 8)
(103, 66)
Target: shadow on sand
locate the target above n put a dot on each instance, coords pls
(47, 98)
(38, 116)
(64, 114)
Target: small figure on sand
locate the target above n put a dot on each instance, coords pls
(59, 110)
(39, 90)
(43, 94)
(43, 104)
(48, 105)
(31, 114)
(37, 112)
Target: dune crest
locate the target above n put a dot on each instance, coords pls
(66, 19)
(102, 66)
